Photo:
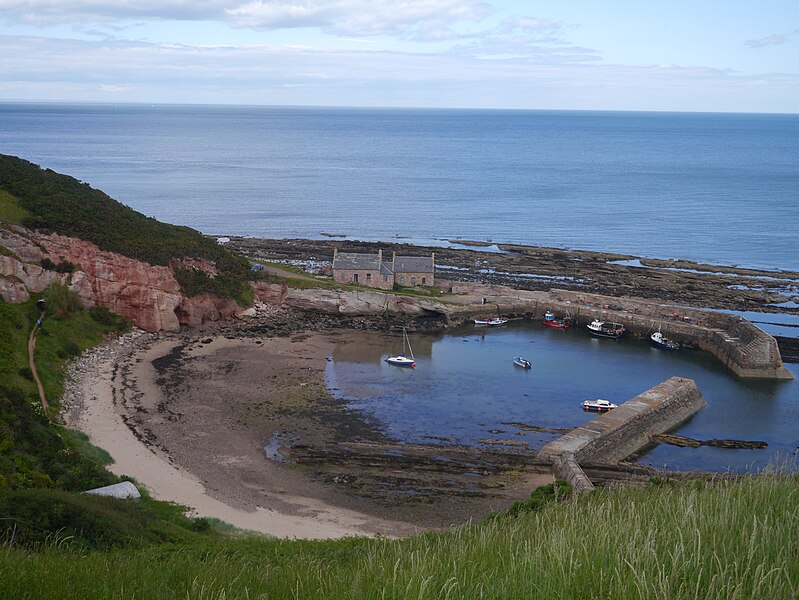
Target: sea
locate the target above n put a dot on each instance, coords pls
(715, 188)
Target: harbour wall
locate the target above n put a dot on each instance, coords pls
(613, 436)
(741, 346)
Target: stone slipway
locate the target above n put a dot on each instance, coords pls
(615, 435)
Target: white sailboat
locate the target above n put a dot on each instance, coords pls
(400, 360)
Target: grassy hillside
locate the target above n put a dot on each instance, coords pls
(43, 199)
(704, 540)
(34, 453)
(42, 464)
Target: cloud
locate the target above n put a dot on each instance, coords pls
(71, 70)
(49, 12)
(775, 39)
(417, 19)
(769, 40)
(524, 37)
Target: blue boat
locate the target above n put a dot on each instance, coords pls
(522, 362)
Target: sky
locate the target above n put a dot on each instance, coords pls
(675, 55)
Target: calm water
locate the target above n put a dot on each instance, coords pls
(712, 187)
(465, 385)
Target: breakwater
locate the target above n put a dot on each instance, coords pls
(615, 435)
(741, 346)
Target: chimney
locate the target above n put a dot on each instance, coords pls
(433, 257)
(380, 258)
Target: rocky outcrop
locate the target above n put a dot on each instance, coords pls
(147, 294)
(348, 302)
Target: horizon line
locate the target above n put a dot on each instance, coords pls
(381, 107)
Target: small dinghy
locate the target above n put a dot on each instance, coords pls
(522, 362)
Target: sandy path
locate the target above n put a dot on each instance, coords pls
(100, 416)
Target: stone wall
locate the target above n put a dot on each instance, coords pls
(741, 346)
(376, 280)
(414, 279)
(615, 435)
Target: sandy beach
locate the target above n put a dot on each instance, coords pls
(230, 479)
(198, 418)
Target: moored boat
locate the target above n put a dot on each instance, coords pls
(598, 405)
(606, 329)
(664, 343)
(400, 360)
(495, 322)
(522, 362)
(550, 321)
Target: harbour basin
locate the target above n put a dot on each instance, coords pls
(466, 389)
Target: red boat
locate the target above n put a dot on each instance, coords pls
(551, 321)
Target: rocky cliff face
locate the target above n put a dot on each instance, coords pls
(350, 303)
(148, 295)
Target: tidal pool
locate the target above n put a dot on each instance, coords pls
(465, 388)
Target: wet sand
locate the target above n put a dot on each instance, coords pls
(189, 416)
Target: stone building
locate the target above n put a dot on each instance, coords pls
(373, 271)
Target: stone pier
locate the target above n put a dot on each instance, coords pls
(741, 346)
(615, 435)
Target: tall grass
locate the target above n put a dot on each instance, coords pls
(722, 539)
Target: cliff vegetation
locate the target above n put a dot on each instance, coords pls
(42, 199)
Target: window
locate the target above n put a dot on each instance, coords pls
(354, 278)
(424, 281)
(368, 277)
(385, 277)
(413, 280)
(402, 281)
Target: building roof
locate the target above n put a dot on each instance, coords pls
(355, 261)
(413, 264)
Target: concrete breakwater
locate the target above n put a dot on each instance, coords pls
(617, 434)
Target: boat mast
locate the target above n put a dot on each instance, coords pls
(407, 341)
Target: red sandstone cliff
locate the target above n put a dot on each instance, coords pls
(148, 295)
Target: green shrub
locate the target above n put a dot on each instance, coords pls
(46, 516)
(63, 267)
(61, 301)
(103, 316)
(194, 282)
